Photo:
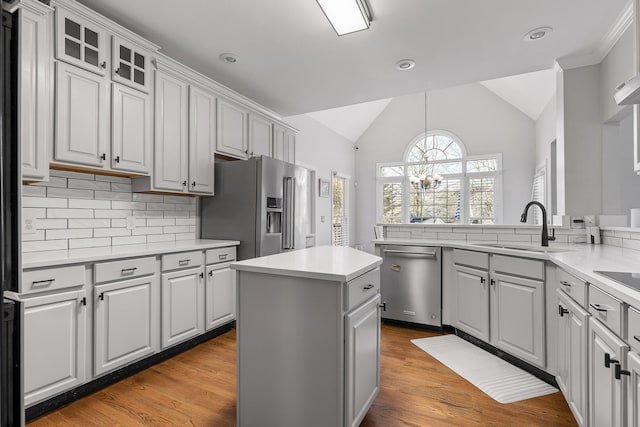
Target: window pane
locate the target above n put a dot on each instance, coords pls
(72, 48)
(72, 28)
(138, 77)
(435, 147)
(436, 206)
(125, 53)
(124, 71)
(138, 60)
(430, 169)
(392, 203)
(482, 201)
(91, 37)
(482, 165)
(387, 171)
(90, 56)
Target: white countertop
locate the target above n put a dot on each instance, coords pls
(333, 263)
(88, 255)
(579, 259)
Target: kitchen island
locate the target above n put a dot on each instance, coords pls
(308, 326)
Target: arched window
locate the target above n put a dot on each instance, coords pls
(438, 183)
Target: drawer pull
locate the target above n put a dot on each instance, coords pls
(184, 261)
(210, 273)
(482, 279)
(367, 287)
(562, 311)
(618, 371)
(40, 282)
(129, 270)
(636, 337)
(565, 283)
(608, 360)
(598, 307)
(222, 256)
(202, 275)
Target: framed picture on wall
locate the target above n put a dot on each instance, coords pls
(324, 187)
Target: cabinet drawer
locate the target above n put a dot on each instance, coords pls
(123, 269)
(361, 289)
(606, 308)
(633, 329)
(221, 255)
(574, 287)
(517, 266)
(471, 259)
(48, 279)
(182, 260)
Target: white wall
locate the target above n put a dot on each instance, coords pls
(616, 68)
(326, 151)
(484, 122)
(545, 135)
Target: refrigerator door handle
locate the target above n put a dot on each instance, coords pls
(289, 198)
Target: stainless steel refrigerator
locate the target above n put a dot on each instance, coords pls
(262, 202)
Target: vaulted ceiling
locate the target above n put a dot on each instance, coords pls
(291, 60)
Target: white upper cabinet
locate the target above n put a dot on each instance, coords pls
(34, 81)
(278, 142)
(82, 117)
(130, 65)
(290, 147)
(259, 136)
(232, 129)
(80, 42)
(202, 134)
(171, 124)
(131, 130)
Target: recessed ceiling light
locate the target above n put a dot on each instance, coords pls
(229, 58)
(405, 64)
(537, 34)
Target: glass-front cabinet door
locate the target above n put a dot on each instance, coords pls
(80, 42)
(130, 65)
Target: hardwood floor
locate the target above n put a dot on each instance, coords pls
(198, 388)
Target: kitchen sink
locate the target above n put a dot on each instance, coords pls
(522, 247)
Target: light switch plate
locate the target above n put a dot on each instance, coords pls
(131, 222)
(321, 218)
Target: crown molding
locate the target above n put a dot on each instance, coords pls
(33, 6)
(608, 41)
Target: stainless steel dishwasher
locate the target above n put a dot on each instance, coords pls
(410, 284)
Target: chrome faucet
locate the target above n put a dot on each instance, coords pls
(545, 232)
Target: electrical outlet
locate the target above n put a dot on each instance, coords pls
(131, 222)
(321, 218)
(28, 226)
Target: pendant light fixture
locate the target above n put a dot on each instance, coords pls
(346, 16)
(425, 182)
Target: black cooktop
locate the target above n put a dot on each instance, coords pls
(631, 280)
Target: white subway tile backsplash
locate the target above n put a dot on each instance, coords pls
(76, 233)
(69, 213)
(89, 204)
(89, 243)
(631, 244)
(43, 202)
(131, 240)
(30, 190)
(89, 223)
(79, 210)
(452, 236)
(490, 237)
(525, 238)
(88, 185)
(69, 193)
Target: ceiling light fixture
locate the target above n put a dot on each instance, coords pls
(229, 58)
(405, 64)
(537, 34)
(346, 16)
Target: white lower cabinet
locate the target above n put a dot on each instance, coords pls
(54, 344)
(472, 301)
(182, 305)
(362, 360)
(220, 294)
(633, 389)
(126, 322)
(606, 392)
(517, 317)
(571, 345)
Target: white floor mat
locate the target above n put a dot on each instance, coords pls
(501, 380)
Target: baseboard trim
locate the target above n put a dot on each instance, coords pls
(92, 386)
(412, 325)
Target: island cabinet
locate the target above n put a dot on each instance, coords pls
(308, 338)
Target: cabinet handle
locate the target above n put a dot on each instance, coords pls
(101, 296)
(210, 273)
(202, 275)
(103, 64)
(608, 360)
(193, 184)
(222, 257)
(104, 156)
(367, 287)
(83, 301)
(565, 283)
(383, 306)
(493, 282)
(184, 183)
(118, 71)
(117, 159)
(636, 337)
(598, 307)
(129, 270)
(184, 261)
(618, 371)
(38, 282)
(482, 279)
(562, 311)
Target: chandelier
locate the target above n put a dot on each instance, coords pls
(425, 182)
